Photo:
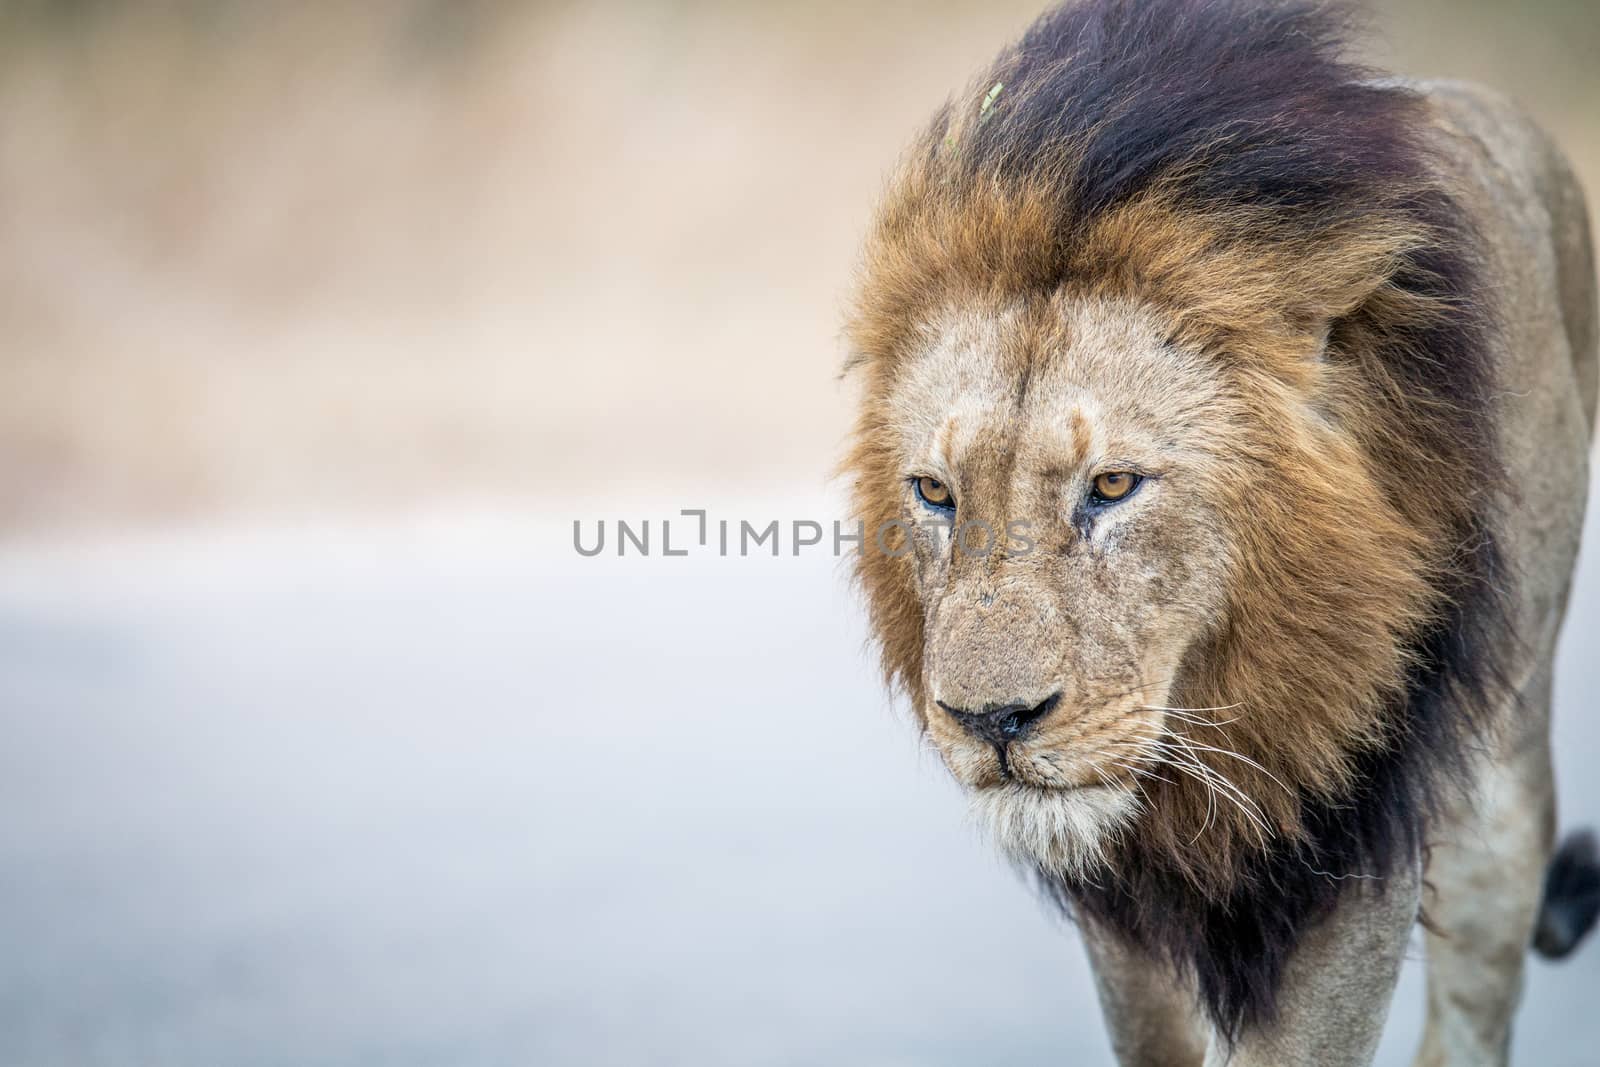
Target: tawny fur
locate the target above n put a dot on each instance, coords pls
(1344, 328)
(1331, 579)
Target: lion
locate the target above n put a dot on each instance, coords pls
(1286, 373)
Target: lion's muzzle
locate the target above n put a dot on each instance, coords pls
(1000, 726)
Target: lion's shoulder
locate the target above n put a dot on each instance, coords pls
(1531, 210)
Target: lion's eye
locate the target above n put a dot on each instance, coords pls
(1114, 486)
(935, 494)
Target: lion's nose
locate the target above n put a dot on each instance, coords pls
(1004, 724)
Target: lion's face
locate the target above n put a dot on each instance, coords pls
(1058, 465)
(1223, 637)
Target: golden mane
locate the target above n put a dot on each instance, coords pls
(1321, 263)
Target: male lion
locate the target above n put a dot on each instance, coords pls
(1285, 375)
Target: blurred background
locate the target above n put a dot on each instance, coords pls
(319, 744)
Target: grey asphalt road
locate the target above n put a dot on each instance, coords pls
(440, 792)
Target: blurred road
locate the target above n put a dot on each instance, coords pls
(441, 792)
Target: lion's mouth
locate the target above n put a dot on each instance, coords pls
(1022, 788)
(1108, 783)
(1051, 773)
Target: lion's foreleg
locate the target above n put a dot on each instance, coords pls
(1153, 1019)
(1485, 880)
(1335, 994)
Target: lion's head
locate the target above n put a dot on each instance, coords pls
(1172, 386)
(1144, 577)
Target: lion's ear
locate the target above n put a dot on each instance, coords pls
(1320, 339)
(1339, 275)
(1276, 303)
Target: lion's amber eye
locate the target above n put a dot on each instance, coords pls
(935, 493)
(1113, 486)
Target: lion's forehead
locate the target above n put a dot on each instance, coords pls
(1058, 384)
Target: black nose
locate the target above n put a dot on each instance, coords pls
(1001, 725)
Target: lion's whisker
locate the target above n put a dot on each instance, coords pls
(1223, 707)
(1183, 716)
(1230, 789)
(1246, 759)
(1211, 791)
(1141, 772)
(1156, 742)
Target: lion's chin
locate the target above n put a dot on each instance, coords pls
(1063, 832)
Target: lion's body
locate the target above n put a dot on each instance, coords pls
(1487, 857)
(1346, 331)
(1488, 863)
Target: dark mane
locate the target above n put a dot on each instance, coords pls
(1255, 103)
(1235, 111)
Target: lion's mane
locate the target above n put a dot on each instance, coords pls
(1225, 163)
